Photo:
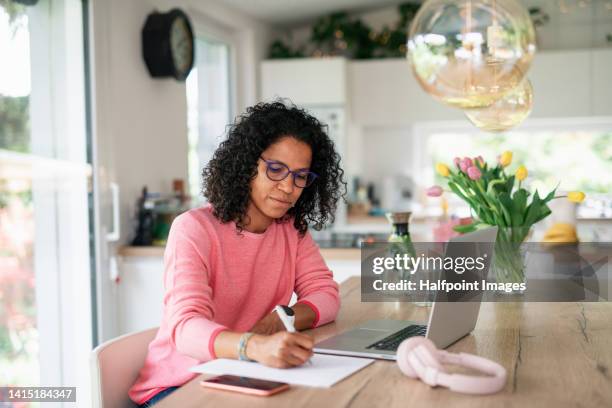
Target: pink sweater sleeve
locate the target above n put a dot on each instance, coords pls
(188, 295)
(314, 283)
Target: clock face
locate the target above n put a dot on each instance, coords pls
(181, 45)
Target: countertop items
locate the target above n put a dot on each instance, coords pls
(556, 354)
(155, 213)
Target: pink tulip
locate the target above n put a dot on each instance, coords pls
(474, 173)
(457, 161)
(479, 160)
(434, 191)
(465, 164)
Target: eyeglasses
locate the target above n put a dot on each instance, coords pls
(278, 171)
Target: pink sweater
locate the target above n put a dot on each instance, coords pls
(217, 280)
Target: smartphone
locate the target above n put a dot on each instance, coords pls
(245, 385)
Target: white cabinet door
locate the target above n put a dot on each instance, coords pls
(566, 84)
(385, 93)
(309, 81)
(601, 82)
(561, 84)
(344, 269)
(141, 293)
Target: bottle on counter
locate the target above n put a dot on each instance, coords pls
(400, 222)
(146, 220)
(402, 244)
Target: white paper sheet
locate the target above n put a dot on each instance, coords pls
(325, 370)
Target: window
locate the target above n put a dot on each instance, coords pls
(44, 217)
(209, 107)
(575, 154)
(14, 79)
(18, 329)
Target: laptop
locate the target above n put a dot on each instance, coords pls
(448, 321)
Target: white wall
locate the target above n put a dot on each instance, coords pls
(395, 144)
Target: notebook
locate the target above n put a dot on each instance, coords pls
(325, 370)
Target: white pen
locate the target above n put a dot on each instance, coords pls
(287, 316)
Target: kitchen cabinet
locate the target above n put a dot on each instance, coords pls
(574, 83)
(601, 77)
(570, 83)
(561, 84)
(385, 93)
(307, 81)
(140, 290)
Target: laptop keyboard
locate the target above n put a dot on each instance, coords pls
(392, 342)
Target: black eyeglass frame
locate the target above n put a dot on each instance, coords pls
(289, 171)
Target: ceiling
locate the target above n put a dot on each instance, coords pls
(288, 12)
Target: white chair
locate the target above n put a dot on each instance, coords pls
(115, 365)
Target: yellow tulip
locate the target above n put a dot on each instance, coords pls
(521, 173)
(442, 169)
(506, 158)
(575, 196)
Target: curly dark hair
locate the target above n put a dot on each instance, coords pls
(227, 176)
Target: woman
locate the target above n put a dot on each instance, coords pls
(228, 264)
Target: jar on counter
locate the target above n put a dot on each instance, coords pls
(400, 222)
(402, 245)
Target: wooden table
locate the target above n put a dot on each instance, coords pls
(556, 354)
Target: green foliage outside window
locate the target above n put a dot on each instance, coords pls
(15, 123)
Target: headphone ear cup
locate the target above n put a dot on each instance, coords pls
(403, 351)
(428, 354)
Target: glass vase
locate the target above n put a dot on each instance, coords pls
(509, 262)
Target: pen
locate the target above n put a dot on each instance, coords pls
(286, 315)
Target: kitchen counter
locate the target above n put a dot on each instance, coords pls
(142, 251)
(340, 254)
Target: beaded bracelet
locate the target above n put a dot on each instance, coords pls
(242, 344)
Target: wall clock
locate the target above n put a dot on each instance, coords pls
(168, 44)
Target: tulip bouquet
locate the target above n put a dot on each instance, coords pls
(498, 198)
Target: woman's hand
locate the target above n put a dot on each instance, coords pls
(268, 325)
(280, 350)
(271, 323)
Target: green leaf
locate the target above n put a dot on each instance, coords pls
(510, 184)
(506, 207)
(544, 212)
(534, 210)
(464, 229)
(519, 203)
(551, 195)
(491, 186)
(456, 190)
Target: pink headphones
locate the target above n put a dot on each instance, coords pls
(418, 357)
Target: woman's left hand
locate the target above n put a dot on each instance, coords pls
(270, 324)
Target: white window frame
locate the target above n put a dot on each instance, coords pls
(60, 176)
(209, 30)
(206, 28)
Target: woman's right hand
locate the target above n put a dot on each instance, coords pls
(281, 349)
